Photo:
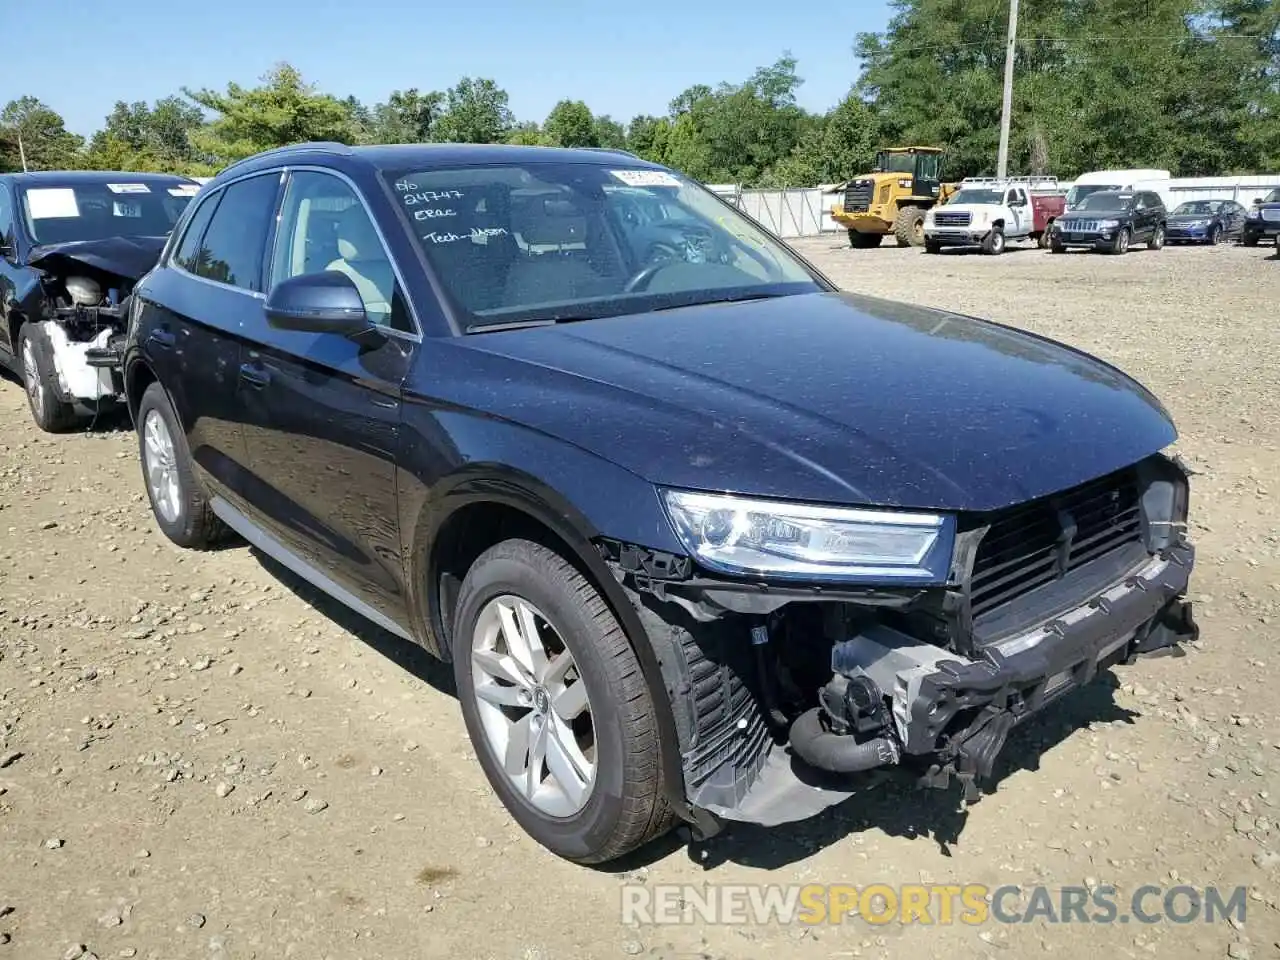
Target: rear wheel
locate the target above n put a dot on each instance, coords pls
(908, 227)
(1042, 238)
(180, 506)
(49, 411)
(864, 241)
(556, 706)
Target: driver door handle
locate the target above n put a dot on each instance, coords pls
(255, 376)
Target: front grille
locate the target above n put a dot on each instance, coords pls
(1271, 213)
(1034, 544)
(1080, 226)
(953, 218)
(857, 198)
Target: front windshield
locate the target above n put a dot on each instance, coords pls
(1272, 197)
(1200, 208)
(978, 196)
(1106, 201)
(896, 162)
(561, 241)
(79, 210)
(1076, 195)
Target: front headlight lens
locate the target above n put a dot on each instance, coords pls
(1108, 224)
(738, 535)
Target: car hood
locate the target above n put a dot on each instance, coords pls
(966, 207)
(1078, 214)
(829, 397)
(127, 257)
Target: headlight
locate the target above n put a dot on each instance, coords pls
(737, 535)
(1108, 224)
(1253, 214)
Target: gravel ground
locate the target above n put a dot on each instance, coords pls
(199, 757)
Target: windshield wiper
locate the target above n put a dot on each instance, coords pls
(531, 322)
(731, 298)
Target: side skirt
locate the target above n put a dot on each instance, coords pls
(273, 548)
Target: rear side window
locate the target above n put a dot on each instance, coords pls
(231, 249)
(188, 253)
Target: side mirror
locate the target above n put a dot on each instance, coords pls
(325, 302)
(1257, 201)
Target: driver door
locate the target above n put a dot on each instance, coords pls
(1015, 200)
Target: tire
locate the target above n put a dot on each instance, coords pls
(908, 227)
(186, 517)
(1055, 246)
(864, 241)
(44, 398)
(1042, 238)
(994, 242)
(1157, 238)
(932, 246)
(1120, 245)
(624, 806)
(1215, 235)
(1250, 240)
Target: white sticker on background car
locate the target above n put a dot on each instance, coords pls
(128, 188)
(48, 203)
(123, 208)
(186, 190)
(646, 178)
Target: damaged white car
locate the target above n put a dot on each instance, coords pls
(72, 246)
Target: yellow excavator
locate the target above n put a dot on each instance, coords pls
(893, 197)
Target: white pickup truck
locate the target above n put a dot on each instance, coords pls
(988, 212)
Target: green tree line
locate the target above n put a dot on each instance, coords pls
(1191, 85)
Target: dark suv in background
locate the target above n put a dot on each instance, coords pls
(1111, 221)
(1263, 220)
(703, 537)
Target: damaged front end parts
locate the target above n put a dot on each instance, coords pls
(76, 317)
(947, 632)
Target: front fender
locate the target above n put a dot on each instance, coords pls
(452, 460)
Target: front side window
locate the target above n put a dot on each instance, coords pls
(78, 210)
(324, 226)
(231, 249)
(560, 241)
(188, 255)
(929, 166)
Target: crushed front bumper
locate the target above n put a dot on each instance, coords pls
(951, 715)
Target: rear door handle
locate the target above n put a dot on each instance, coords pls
(257, 377)
(163, 338)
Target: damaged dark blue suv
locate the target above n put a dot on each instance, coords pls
(703, 537)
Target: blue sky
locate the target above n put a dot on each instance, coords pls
(80, 56)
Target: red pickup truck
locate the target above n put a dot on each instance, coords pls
(989, 212)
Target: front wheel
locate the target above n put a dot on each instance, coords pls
(908, 227)
(932, 246)
(1157, 238)
(49, 411)
(1121, 242)
(1215, 235)
(555, 704)
(993, 242)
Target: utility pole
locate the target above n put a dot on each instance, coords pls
(22, 152)
(1002, 162)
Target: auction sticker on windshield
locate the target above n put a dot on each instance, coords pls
(47, 203)
(646, 178)
(185, 190)
(128, 188)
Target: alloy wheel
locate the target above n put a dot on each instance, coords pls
(533, 706)
(161, 466)
(31, 378)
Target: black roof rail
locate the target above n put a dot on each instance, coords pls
(331, 145)
(625, 153)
